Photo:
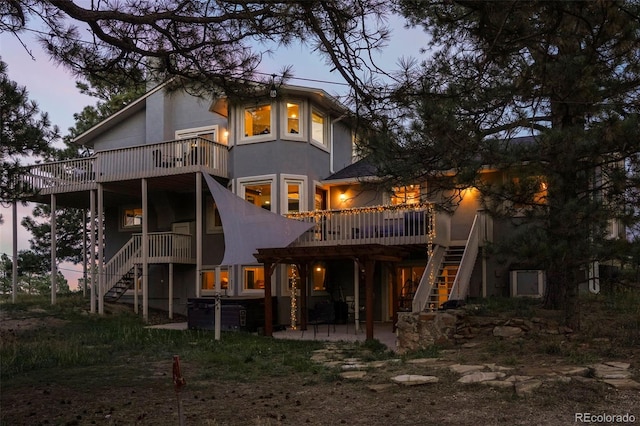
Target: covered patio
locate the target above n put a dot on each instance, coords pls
(366, 257)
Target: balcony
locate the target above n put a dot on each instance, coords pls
(386, 225)
(145, 161)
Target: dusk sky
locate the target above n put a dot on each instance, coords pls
(53, 88)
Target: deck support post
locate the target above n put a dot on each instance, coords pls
(369, 270)
(198, 282)
(170, 290)
(54, 264)
(356, 295)
(14, 266)
(101, 277)
(303, 271)
(145, 252)
(92, 255)
(268, 301)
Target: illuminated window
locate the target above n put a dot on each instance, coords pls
(257, 121)
(209, 279)
(406, 195)
(253, 277)
(318, 127)
(293, 118)
(258, 193)
(131, 218)
(318, 276)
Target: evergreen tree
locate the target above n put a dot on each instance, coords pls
(26, 132)
(566, 74)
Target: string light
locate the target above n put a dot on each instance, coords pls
(294, 297)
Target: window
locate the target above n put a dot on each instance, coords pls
(320, 199)
(293, 114)
(209, 279)
(253, 277)
(131, 218)
(318, 128)
(406, 195)
(257, 121)
(318, 276)
(209, 133)
(213, 222)
(294, 197)
(258, 193)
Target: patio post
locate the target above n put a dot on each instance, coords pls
(54, 236)
(268, 302)
(369, 270)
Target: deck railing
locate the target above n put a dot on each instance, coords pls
(160, 159)
(388, 225)
(164, 247)
(67, 176)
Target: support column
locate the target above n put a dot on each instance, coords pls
(170, 290)
(268, 301)
(101, 277)
(394, 296)
(217, 306)
(198, 233)
(54, 264)
(303, 269)
(369, 271)
(356, 295)
(14, 266)
(84, 252)
(145, 253)
(92, 255)
(136, 290)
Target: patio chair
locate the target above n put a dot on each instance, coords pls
(322, 313)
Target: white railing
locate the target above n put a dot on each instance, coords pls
(386, 225)
(164, 247)
(122, 262)
(160, 159)
(169, 247)
(66, 176)
(460, 286)
(428, 280)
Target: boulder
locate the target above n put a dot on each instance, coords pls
(506, 331)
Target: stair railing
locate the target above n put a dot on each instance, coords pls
(428, 280)
(460, 286)
(122, 262)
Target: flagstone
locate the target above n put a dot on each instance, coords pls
(478, 377)
(527, 387)
(353, 374)
(465, 369)
(414, 379)
(623, 384)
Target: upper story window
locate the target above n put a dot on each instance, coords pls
(209, 133)
(296, 195)
(257, 121)
(293, 118)
(257, 192)
(319, 128)
(409, 194)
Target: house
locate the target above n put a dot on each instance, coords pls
(161, 238)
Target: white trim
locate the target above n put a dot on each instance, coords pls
(263, 179)
(325, 129)
(302, 121)
(197, 131)
(242, 139)
(301, 180)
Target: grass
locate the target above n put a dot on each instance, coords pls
(89, 340)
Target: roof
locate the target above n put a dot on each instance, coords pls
(359, 169)
(319, 96)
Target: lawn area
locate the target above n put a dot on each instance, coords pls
(62, 366)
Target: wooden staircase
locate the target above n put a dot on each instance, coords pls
(445, 278)
(126, 282)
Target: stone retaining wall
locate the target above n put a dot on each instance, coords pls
(444, 328)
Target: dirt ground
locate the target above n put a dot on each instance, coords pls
(86, 396)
